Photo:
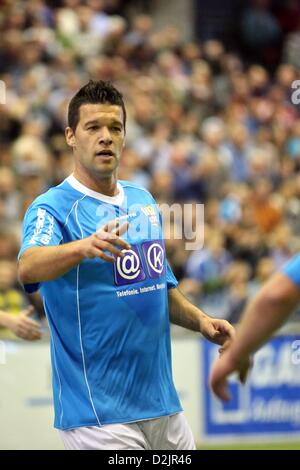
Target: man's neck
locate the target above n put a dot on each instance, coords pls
(106, 186)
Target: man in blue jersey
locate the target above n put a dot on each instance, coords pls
(109, 300)
(267, 311)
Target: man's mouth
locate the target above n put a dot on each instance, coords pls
(105, 153)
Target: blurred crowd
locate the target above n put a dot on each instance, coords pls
(202, 128)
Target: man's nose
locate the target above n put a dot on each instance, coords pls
(105, 137)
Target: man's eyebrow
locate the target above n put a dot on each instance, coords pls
(116, 121)
(96, 121)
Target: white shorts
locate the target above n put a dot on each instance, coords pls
(165, 433)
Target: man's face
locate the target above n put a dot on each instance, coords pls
(98, 139)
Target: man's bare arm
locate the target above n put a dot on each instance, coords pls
(44, 263)
(269, 309)
(183, 313)
(266, 313)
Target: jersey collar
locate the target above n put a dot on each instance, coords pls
(116, 200)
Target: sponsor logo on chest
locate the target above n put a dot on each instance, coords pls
(147, 260)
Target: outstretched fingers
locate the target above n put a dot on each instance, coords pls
(108, 239)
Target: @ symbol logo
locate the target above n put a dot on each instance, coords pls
(155, 258)
(129, 266)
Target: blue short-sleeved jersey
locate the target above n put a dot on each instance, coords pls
(109, 323)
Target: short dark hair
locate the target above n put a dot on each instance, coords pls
(94, 92)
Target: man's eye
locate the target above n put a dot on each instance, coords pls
(117, 129)
(92, 128)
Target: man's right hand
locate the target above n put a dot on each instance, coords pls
(105, 239)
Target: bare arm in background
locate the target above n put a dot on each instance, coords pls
(269, 309)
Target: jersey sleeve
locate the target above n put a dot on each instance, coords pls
(40, 228)
(292, 269)
(171, 279)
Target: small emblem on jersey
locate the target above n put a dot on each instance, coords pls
(154, 253)
(149, 212)
(129, 269)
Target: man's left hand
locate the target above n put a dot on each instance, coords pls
(217, 331)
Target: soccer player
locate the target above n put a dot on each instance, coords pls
(21, 325)
(267, 311)
(109, 300)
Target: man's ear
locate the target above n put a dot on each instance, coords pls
(70, 137)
